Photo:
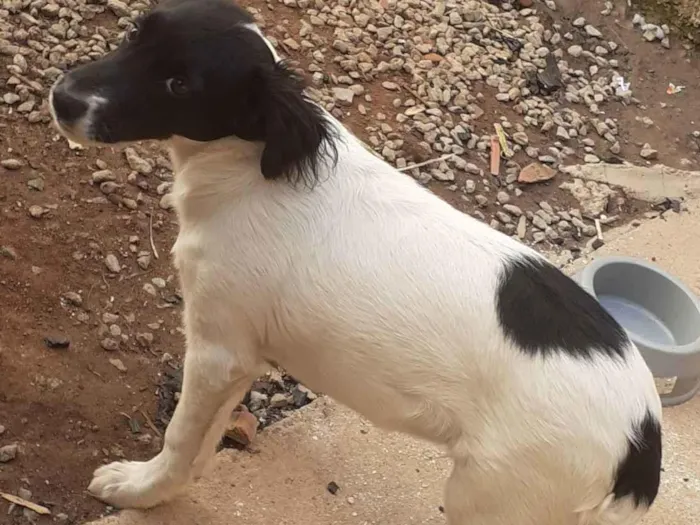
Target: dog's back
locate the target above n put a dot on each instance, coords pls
(427, 321)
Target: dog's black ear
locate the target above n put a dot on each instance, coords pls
(296, 132)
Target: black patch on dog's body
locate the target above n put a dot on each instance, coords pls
(544, 312)
(639, 473)
(228, 84)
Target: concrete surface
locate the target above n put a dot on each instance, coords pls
(647, 183)
(391, 479)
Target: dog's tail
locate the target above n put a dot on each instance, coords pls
(636, 482)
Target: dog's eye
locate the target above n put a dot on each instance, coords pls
(177, 86)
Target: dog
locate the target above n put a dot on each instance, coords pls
(298, 246)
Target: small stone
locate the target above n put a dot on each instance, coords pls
(470, 186)
(343, 96)
(8, 252)
(36, 184)
(279, 401)
(166, 202)
(57, 341)
(11, 164)
(109, 344)
(36, 211)
(112, 263)
(597, 243)
(579, 22)
(521, 138)
(591, 159)
(513, 209)
(562, 133)
(536, 172)
(101, 176)
(333, 488)
(522, 227)
(144, 260)
(575, 51)
(8, 453)
(242, 428)
(118, 364)
(118, 7)
(136, 162)
(648, 152)
(502, 197)
(593, 31)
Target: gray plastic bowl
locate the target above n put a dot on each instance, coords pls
(660, 314)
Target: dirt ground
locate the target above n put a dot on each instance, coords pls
(71, 409)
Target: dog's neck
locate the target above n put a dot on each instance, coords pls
(209, 173)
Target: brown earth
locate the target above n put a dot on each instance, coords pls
(71, 409)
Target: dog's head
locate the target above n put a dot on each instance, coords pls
(199, 69)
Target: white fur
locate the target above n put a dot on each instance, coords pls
(373, 290)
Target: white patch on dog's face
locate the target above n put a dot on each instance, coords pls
(255, 29)
(80, 130)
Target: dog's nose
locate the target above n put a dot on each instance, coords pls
(67, 106)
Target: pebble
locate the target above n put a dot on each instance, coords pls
(11, 164)
(136, 162)
(593, 31)
(109, 344)
(118, 364)
(57, 341)
(112, 263)
(8, 453)
(536, 172)
(648, 152)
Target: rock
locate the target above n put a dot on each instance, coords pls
(279, 401)
(591, 159)
(118, 364)
(8, 453)
(57, 341)
(592, 196)
(343, 96)
(36, 212)
(513, 209)
(521, 138)
(136, 162)
(648, 152)
(8, 252)
(98, 177)
(593, 31)
(575, 51)
(144, 260)
(36, 184)
(562, 133)
(112, 263)
(109, 344)
(118, 7)
(536, 172)
(522, 227)
(242, 428)
(502, 197)
(11, 164)
(166, 202)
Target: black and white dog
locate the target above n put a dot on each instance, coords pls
(297, 246)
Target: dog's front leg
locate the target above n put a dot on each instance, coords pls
(214, 378)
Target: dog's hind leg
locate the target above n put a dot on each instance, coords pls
(215, 379)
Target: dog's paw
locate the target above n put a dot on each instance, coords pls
(135, 484)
